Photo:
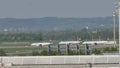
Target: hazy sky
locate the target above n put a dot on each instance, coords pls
(55, 8)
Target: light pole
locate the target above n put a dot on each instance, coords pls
(119, 25)
(119, 29)
(114, 29)
(117, 10)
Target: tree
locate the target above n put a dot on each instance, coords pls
(53, 53)
(97, 51)
(113, 48)
(71, 52)
(35, 53)
(2, 53)
(44, 53)
(82, 52)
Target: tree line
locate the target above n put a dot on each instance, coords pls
(84, 34)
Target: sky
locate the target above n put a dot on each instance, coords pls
(56, 8)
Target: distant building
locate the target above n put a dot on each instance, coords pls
(69, 42)
(41, 44)
(99, 42)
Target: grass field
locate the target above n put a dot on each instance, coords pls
(15, 43)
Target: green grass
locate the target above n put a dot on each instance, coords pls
(15, 43)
